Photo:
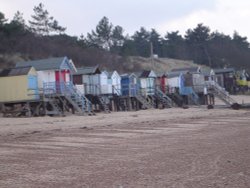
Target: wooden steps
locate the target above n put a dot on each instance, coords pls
(102, 102)
(221, 93)
(164, 99)
(145, 104)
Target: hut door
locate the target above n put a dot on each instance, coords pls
(61, 74)
(163, 84)
(32, 80)
(60, 80)
(150, 86)
(33, 85)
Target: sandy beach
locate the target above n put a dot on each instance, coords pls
(176, 147)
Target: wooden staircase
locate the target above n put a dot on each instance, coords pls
(52, 100)
(177, 99)
(194, 97)
(189, 92)
(53, 91)
(80, 103)
(145, 104)
(221, 93)
(102, 102)
(164, 99)
(122, 106)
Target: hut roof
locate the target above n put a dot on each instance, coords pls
(128, 75)
(225, 70)
(45, 64)
(137, 74)
(147, 74)
(110, 73)
(88, 70)
(160, 74)
(173, 74)
(187, 69)
(15, 71)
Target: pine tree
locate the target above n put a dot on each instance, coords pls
(18, 18)
(42, 23)
(117, 39)
(2, 19)
(142, 42)
(101, 37)
(16, 26)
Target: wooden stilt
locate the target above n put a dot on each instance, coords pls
(28, 108)
(129, 104)
(3, 109)
(137, 104)
(113, 105)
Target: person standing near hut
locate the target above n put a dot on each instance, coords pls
(211, 98)
(205, 95)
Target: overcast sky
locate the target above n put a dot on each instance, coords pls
(81, 16)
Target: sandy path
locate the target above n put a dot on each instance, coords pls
(178, 148)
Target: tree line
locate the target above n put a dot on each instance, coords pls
(214, 49)
(43, 36)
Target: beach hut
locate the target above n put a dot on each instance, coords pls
(114, 82)
(226, 78)
(95, 83)
(88, 78)
(147, 81)
(18, 84)
(53, 73)
(129, 84)
(181, 81)
(173, 79)
(193, 77)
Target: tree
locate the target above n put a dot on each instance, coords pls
(174, 46)
(220, 48)
(18, 18)
(15, 27)
(2, 19)
(117, 39)
(101, 37)
(55, 27)
(240, 41)
(117, 36)
(128, 48)
(155, 39)
(17, 24)
(198, 35)
(42, 23)
(141, 42)
(82, 42)
(197, 40)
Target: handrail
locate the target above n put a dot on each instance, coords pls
(115, 90)
(163, 95)
(80, 96)
(67, 89)
(220, 91)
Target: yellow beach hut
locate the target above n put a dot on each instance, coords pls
(18, 84)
